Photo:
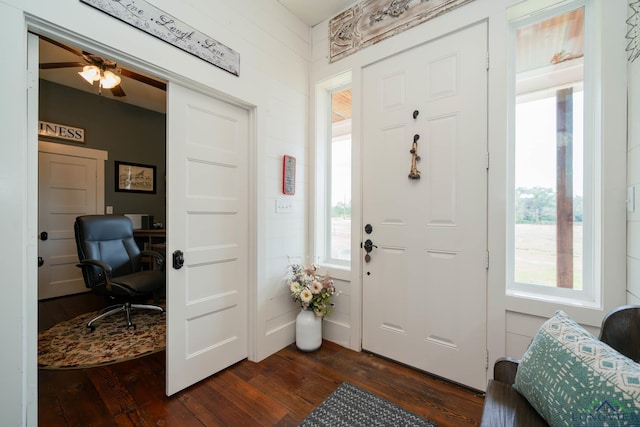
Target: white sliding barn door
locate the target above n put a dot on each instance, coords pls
(207, 194)
(424, 287)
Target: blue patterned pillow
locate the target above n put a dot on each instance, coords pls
(573, 379)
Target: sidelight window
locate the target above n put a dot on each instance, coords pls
(332, 184)
(551, 214)
(338, 202)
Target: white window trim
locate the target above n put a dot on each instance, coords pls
(321, 180)
(608, 178)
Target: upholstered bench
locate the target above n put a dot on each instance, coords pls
(503, 405)
(566, 377)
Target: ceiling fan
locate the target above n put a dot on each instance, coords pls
(98, 69)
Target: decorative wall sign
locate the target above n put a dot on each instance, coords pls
(152, 20)
(289, 175)
(371, 21)
(135, 177)
(54, 130)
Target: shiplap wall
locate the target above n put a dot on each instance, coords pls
(274, 74)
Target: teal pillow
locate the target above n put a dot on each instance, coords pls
(573, 379)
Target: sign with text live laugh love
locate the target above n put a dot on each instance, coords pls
(150, 19)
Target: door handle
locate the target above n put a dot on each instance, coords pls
(40, 261)
(178, 259)
(368, 245)
(44, 236)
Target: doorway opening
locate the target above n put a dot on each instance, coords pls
(123, 123)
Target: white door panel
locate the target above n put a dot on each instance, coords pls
(67, 188)
(207, 220)
(424, 289)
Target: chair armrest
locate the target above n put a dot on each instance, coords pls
(96, 263)
(504, 370)
(106, 268)
(157, 255)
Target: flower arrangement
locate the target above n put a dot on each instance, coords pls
(311, 290)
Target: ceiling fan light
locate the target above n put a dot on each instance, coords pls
(90, 73)
(109, 80)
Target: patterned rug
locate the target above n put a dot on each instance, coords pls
(70, 345)
(351, 406)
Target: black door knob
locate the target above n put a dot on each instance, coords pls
(44, 236)
(40, 261)
(178, 259)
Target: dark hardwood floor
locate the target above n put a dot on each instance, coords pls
(281, 390)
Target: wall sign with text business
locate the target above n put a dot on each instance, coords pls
(55, 130)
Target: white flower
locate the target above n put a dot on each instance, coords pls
(295, 287)
(306, 296)
(316, 287)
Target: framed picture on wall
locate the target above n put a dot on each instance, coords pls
(135, 177)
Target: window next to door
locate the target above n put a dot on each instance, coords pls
(551, 230)
(333, 224)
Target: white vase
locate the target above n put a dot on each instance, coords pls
(308, 331)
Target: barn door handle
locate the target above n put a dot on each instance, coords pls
(178, 259)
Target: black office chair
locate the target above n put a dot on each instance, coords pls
(621, 330)
(112, 266)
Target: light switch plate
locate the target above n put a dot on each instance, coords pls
(284, 206)
(109, 210)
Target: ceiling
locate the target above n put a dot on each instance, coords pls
(311, 12)
(137, 93)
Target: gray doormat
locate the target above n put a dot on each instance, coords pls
(352, 406)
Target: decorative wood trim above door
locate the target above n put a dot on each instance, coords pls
(371, 21)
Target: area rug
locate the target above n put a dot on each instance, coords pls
(351, 406)
(70, 345)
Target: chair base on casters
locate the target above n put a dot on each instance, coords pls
(126, 307)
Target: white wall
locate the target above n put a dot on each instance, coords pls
(633, 180)
(274, 48)
(512, 322)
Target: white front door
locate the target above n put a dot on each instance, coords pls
(70, 183)
(207, 221)
(424, 287)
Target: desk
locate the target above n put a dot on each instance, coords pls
(147, 239)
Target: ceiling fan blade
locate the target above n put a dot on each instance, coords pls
(60, 45)
(118, 91)
(144, 79)
(51, 65)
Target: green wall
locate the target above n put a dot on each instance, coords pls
(126, 132)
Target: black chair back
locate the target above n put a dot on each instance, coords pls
(621, 330)
(108, 239)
